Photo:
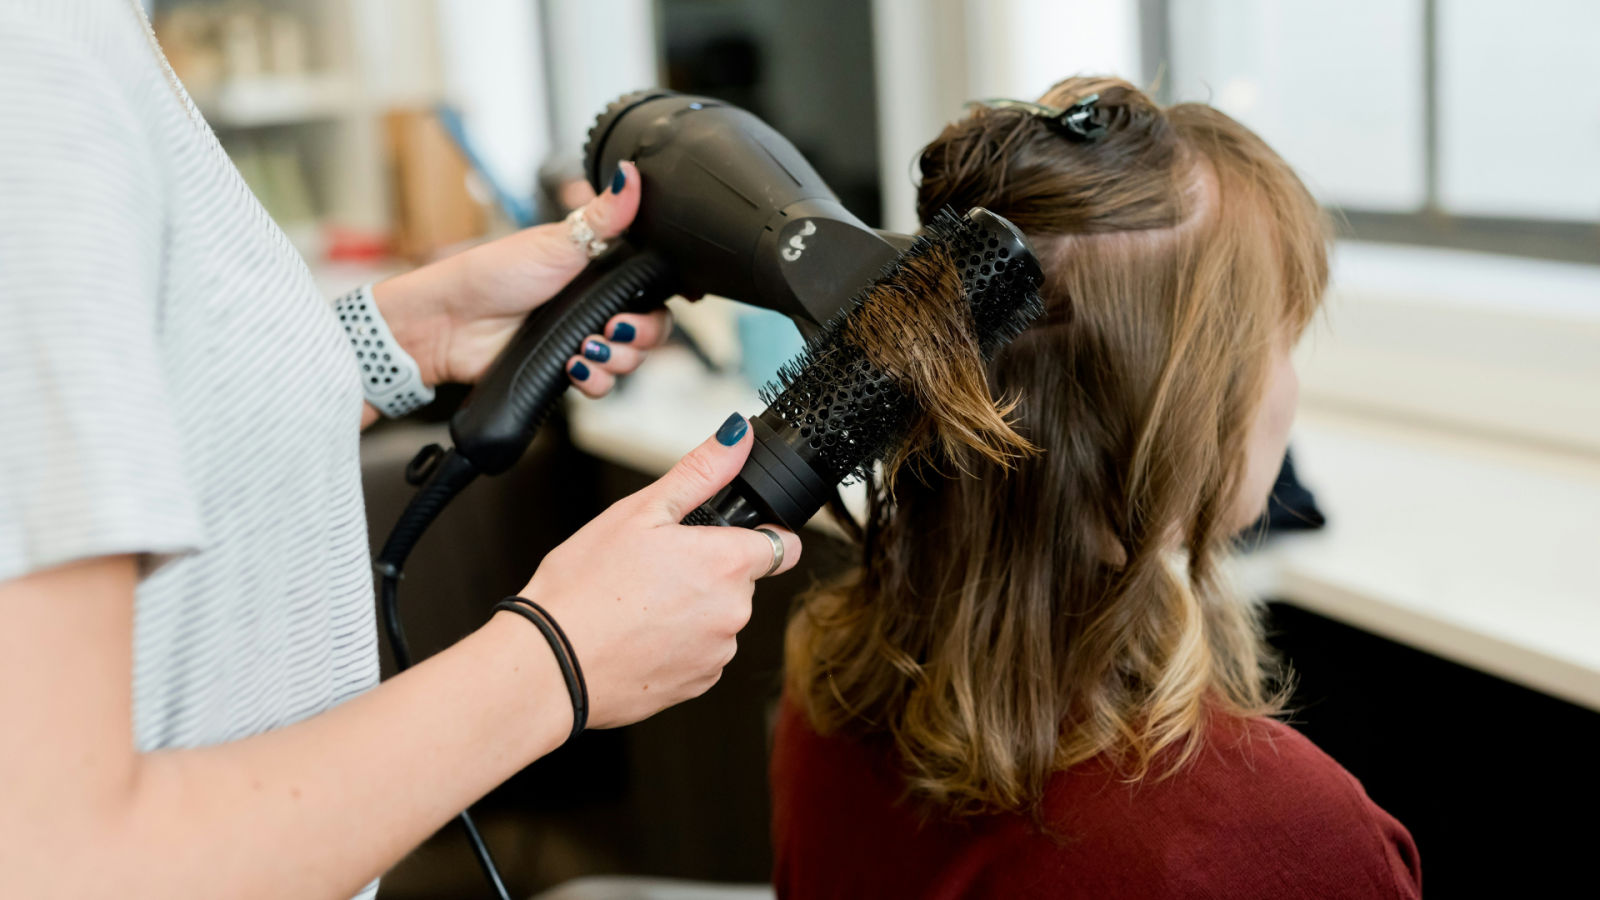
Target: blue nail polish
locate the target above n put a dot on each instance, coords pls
(579, 371)
(622, 332)
(732, 430)
(619, 180)
(596, 351)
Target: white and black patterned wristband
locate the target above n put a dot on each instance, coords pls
(391, 378)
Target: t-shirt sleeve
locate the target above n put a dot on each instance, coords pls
(90, 459)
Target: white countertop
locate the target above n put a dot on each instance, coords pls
(1486, 556)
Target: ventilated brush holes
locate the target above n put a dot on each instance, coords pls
(991, 278)
(840, 408)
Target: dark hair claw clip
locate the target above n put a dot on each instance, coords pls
(1077, 122)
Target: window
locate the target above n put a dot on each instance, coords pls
(1464, 123)
(1519, 108)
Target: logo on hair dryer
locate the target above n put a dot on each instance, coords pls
(797, 242)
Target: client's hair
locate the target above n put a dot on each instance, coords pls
(1010, 621)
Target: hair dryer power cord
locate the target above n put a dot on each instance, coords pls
(447, 475)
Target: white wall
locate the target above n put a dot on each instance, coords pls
(934, 55)
(599, 50)
(493, 72)
(919, 52)
(1019, 48)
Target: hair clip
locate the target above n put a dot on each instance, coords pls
(1077, 122)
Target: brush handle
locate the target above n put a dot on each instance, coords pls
(512, 400)
(704, 514)
(776, 484)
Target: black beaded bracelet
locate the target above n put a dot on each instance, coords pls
(566, 657)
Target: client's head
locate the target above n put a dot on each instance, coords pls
(1009, 622)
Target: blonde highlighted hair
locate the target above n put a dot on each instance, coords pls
(1009, 622)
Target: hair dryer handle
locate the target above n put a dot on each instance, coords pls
(501, 415)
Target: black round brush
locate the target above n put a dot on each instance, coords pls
(879, 372)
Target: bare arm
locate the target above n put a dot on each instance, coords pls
(319, 808)
(313, 810)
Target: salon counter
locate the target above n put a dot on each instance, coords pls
(1463, 548)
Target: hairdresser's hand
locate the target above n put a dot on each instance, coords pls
(455, 315)
(653, 607)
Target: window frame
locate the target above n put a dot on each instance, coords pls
(1432, 225)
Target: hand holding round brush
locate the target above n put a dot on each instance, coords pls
(655, 626)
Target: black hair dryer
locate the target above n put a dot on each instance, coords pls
(729, 207)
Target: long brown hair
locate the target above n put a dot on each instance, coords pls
(1008, 622)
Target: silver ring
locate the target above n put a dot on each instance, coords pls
(777, 550)
(582, 233)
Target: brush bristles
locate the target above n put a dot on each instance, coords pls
(899, 374)
(847, 412)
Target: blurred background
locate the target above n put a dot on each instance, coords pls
(1437, 590)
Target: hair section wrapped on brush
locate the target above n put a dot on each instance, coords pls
(901, 372)
(903, 363)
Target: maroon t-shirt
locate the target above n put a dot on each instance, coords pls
(1260, 813)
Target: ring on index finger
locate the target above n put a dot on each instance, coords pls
(777, 550)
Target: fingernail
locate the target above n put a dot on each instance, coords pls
(579, 371)
(596, 351)
(732, 430)
(619, 180)
(622, 332)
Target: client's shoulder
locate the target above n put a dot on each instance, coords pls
(1244, 770)
(1235, 760)
(1262, 751)
(1258, 801)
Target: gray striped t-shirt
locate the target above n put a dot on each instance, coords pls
(171, 385)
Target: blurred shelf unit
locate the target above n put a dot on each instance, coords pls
(280, 100)
(297, 92)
